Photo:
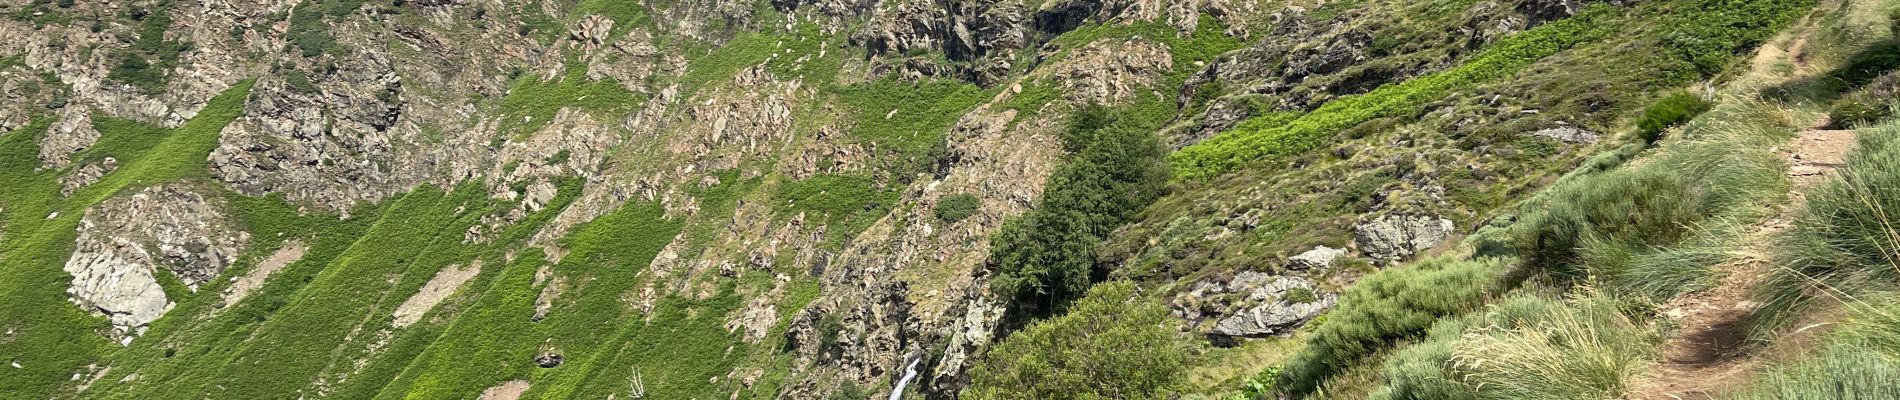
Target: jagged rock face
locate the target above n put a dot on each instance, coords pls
(1252, 304)
(24, 94)
(880, 273)
(71, 134)
(1111, 72)
(328, 142)
(963, 31)
(1394, 237)
(124, 242)
(81, 58)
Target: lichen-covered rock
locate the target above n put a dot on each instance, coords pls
(1321, 257)
(124, 242)
(1393, 237)
(1282, 304)
(1568, 134)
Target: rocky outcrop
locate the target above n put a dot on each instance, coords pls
(73, 133)
(1282, 304)
(1394, 237)
(124, 242)
(326, 142)
(85, 175)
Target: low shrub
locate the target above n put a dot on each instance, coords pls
(956, 207)
(1852, 113)
(1634, 209)
(1113, 343)
(1671, 110)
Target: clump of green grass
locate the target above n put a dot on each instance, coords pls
(1626, 208)
(1587, 349)
(1524, 347)
(1852, 112)
(1388, 307)
(1671, 110)
(1859, 362)
(1422, 370)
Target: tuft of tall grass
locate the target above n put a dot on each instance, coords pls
(1387, 307)
(1847, 241)
(1860, 362)
(1523, 347)
(1656, 229)
(1630, 210)
(1588, 349)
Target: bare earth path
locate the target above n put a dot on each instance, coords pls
(1710, 353)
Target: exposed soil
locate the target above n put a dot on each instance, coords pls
(510, 390)
(439, 288)
(1711, 354)
(290, 252)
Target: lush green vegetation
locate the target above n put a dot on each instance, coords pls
(1253, 143)
(1705, 33)
(847, 204)
(51, 333)
(1721, 27)
(1114, 343)
(1115, 167)
(906, 122)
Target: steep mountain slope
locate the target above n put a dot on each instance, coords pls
(783, 199)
